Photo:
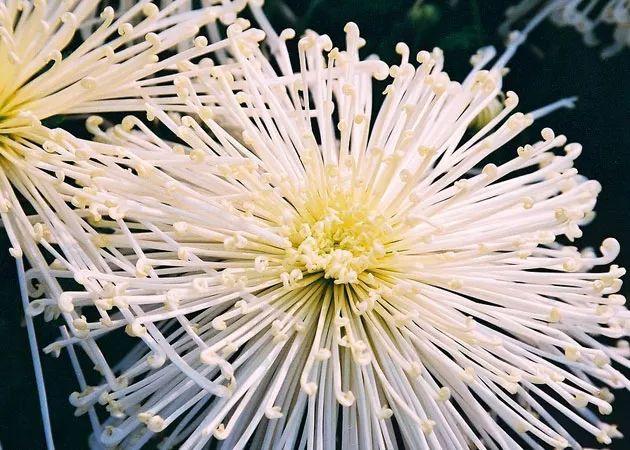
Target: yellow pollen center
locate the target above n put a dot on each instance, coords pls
(338, 237)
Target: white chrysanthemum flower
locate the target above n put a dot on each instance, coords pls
(46, 70)
(337, 275)
(585, 16)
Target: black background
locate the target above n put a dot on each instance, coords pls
(553, 64)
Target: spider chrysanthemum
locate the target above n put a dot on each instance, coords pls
(65, 57)
(303, 270)
(60, 58)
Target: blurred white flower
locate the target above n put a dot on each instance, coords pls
(326, 273)
(585, 16)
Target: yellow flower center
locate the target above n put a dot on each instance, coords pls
(338, 236)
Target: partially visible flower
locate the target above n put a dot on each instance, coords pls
(585, 16)
(48, 72)
(334, 274)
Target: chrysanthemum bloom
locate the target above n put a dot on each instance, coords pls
(46, 70)
(585, 16)
(337, 275)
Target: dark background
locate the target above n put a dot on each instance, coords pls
(553, 64)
